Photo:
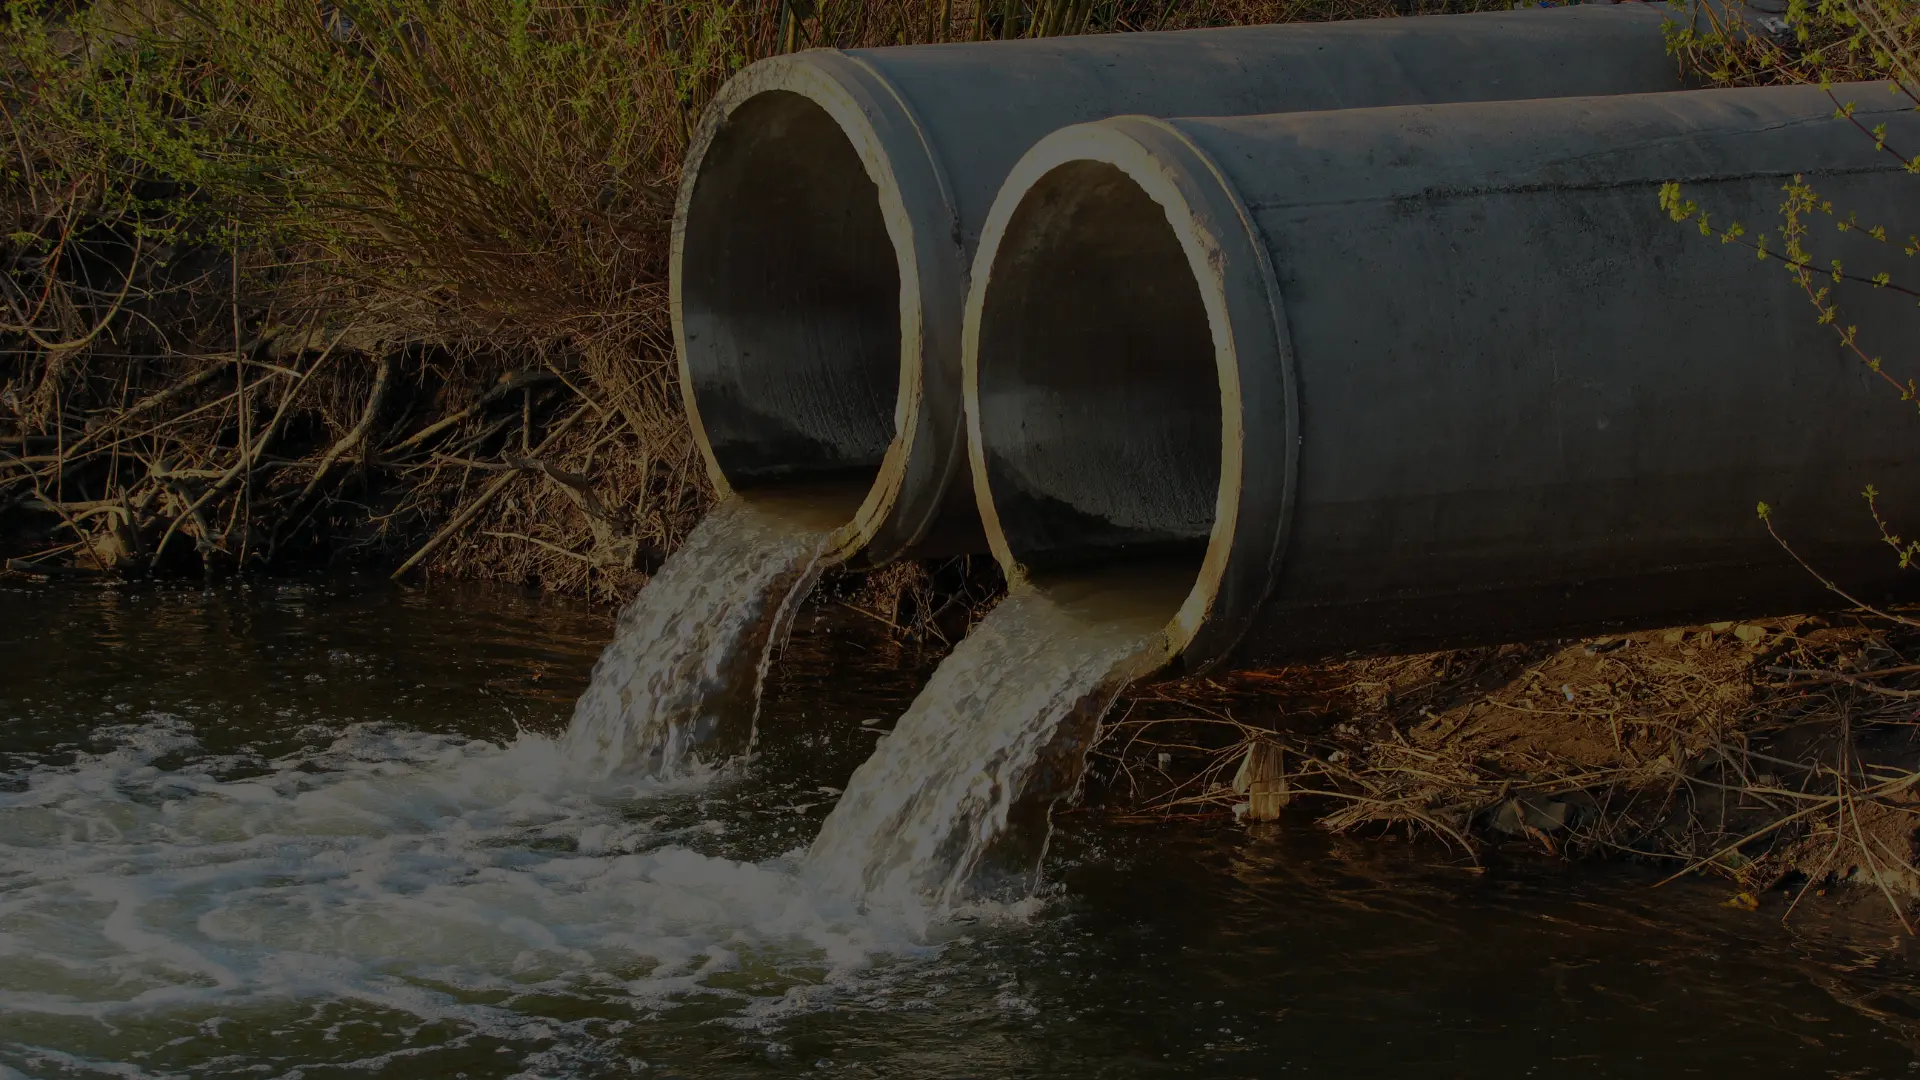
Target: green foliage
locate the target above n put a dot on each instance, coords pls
(503, 160)
(1819, 41)
(508, 164)
(1827, 42)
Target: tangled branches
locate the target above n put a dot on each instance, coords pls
(1772, 754)
(383, 279)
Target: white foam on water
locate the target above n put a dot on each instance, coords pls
(42, 1057)
(688, 656)
(511, 892)
(994, 739)
(434, 878)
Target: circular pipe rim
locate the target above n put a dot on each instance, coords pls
(1253, 356)
(915, 200)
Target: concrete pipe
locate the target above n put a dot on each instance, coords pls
(1420, 377)
(833, 200)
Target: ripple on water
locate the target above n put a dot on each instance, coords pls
(396, 872)
(427, 879)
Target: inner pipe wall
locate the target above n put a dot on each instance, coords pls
(794, 313)
(1521, 401)
(1094, 323)
(783, 356)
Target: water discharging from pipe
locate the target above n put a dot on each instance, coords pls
(1113, 392)
(955, 801)
(684, 669)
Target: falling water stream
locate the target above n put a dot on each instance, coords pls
(955, 802)
(688, 655)
(333, 829)
(956, 799)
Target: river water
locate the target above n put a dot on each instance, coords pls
(331, 829)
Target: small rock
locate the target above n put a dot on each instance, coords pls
(1540, 812)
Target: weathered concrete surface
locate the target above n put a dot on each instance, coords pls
(1427, 376)
(833, 202)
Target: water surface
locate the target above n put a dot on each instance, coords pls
(315, 830)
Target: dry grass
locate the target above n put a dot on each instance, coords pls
(1768, 752)
(933, 603)
(287, 280)
(383, 281)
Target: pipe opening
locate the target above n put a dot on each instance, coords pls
(790, 303)
(1098, 395)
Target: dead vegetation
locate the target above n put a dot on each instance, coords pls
(1770, 752)
(290, 282)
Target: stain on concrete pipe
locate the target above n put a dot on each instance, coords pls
(1421, 377)
(833, 201)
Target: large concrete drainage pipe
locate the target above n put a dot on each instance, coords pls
(833, 201)
(1427, 376)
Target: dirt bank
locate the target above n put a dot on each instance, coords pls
(1778, 754)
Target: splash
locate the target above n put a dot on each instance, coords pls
(392, 881)
(688, 656)
(956, 800)
(390, 893)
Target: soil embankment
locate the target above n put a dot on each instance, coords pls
(1780, 754)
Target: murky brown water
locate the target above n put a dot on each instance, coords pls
(323, 830)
